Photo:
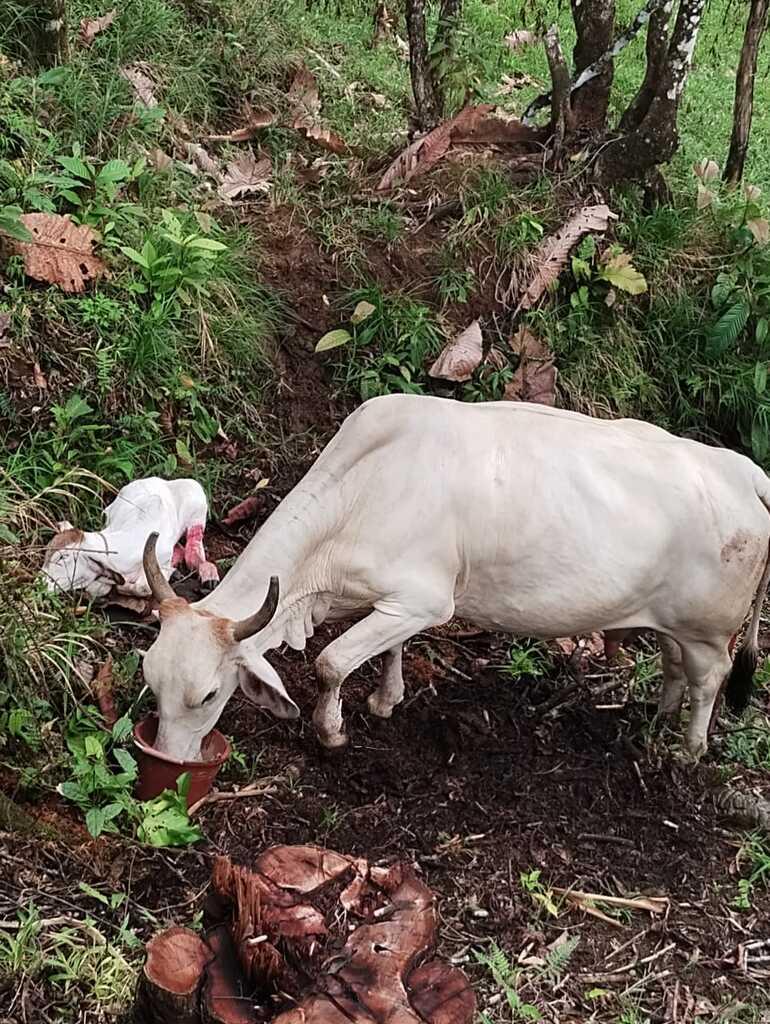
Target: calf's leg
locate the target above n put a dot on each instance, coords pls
(380, 631)
(391, 687)
(674, 677)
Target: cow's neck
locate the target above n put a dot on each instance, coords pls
(289, 545)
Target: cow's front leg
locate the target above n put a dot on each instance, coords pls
(390, 691)
(382, 630)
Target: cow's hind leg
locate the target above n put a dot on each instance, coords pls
(674, 677)
(391, 688)
(380, 631)
(706, 666)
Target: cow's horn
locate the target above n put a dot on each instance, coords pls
(248, 627)
(159, 585)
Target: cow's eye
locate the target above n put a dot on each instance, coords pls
(209, 697)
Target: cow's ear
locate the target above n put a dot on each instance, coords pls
(262, 685)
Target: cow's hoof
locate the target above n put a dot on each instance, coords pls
(379, 708)
(332, 743)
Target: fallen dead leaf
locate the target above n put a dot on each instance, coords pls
(159, 160)
(91, 27)
(39, 377)
(705, 197)
(203, 160)
(518, 80)
(103, 691)
(535, 376)
(760, 229)
(475, 125)
(553, 253)
(244, 175)
(520, 38)
(143, 86)
(325, 138)
(707, 170)
(5, 330)
(60, 253)
(256, 120)
(752, 192)
(303, 95)
(461, 356)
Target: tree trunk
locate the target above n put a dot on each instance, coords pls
(49, 32)
(427, 103)
(170, 984)
(655, 140)
(744, 90)
(657, 50)
(594, 23)
(561, 113)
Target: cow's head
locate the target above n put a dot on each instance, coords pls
(71, 565)
(199, 660)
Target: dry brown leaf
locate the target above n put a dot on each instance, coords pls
(325, 138)
(39, 377)
(460, 356)
(244, 175)
(553, 253)
(473, 126)
(141, 83)
(159, 160)
(422, 154)
(520, 38)
(588, 908)
(760, 229)
(303, 94)
(535, 376)
(91, 27)
(61, 253)
(256, 120)
(203, 160)
(518, 80)
(5, 330)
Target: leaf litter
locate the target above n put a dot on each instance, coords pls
(143, 86)
(461, 356)
(245, 175)
(91, 27)
(552, 254)
(535, 377)
(61, 252)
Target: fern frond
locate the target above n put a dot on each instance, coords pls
(728, 328)
(558, 958)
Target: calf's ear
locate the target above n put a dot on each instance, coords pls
(117, 578)
(262, 685)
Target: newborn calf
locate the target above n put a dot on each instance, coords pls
(111, 558)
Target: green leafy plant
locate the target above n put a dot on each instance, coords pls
(165, 821)
(540, 893)
(90, 189)
(101, 792)
(11, 225)
(508, 980)
(525, 659)
(175, 264)
(756, 852)
(387, 349)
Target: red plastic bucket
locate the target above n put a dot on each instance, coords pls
(157, 771)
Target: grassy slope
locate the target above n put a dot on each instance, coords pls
(136, 386)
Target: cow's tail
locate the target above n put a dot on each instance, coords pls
(740, 682)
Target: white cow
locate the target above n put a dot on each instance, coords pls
(515, 517)
(108, 559)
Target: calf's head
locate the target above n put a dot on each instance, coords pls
(70, 565)
(199, 660)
